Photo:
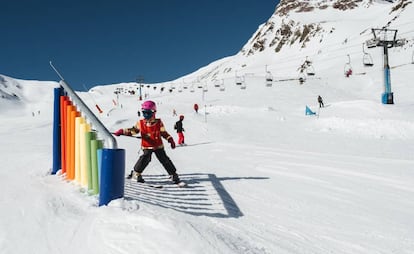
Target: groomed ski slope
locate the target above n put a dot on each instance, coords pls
(263, 177)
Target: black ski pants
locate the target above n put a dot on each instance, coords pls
(145, 159)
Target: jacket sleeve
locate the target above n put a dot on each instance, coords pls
(134, 130)
(164, 132)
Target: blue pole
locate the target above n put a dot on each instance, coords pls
(56, 130)
(112, 178)
(387, 96)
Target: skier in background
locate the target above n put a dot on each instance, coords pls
(196, 107)
(180, 130)
(151, 129)
(320, 101)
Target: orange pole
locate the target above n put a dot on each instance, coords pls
(63, 107)
(73, 115)
(69, 109)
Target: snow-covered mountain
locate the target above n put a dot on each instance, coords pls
(263, 176)
(330, 35)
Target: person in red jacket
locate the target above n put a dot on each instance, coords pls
(196, 107)
(180, 130)
(152, 131)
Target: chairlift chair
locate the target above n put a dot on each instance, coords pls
(269, 79)
(222, 87)
(216, 83)
(412, 58)
(348, 67)
(310, 71)
(367, 59)
(238, 80)
(243, 85)
(302, 78)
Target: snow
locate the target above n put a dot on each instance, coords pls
(262, 176)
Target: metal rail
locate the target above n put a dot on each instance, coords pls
(87, 112)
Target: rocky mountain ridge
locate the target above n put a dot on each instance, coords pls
(286, 26)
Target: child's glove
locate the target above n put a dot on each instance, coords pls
(171, 141)
(119, 132)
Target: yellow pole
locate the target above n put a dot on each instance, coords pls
(78, 121)
(84, 128)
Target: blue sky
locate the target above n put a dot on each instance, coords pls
(105, 42)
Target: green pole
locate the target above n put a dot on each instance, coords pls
(95, 145)
(89, 136)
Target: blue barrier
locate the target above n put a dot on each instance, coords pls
(112, 178)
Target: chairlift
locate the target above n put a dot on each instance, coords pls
(243, 85)
(412, 58)
(205, 88)
(216, 83)
(367, 59)
(348, 67)
(269, 79)
(180, 89)
(192, 88)
(222, 87)
(310, 71)
(239, 80)
(302, 78)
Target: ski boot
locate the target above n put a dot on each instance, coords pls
(131, 175)
(140, 179)
(175, 179)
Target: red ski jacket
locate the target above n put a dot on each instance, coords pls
(151, 132)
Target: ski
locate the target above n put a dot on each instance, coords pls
(181, 184)
(155, 186)
(133, 177)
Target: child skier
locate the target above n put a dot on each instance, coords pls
(151, 129)
(180, 130)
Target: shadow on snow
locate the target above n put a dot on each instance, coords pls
(204, 195)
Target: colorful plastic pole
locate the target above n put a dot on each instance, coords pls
(63, 123)
(84, 128)
(112, 175)
(78, 121)
(89, 136)
(95, 145)
(56, 131)
(69, 109)
(71, 148)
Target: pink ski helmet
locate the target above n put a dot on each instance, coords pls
(149, 105)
